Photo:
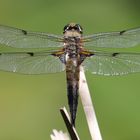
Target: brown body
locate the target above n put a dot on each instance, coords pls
(72, 73)
(73, 47)
(72, 55)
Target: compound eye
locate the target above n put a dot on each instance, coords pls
(66, 28)
(79, 28)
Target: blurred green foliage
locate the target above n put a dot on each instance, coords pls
(29, 105)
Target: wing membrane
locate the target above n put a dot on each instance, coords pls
(122, 39)
(30, 63)
(19, 38)
(103, 63)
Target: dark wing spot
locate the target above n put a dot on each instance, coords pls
(54, 54)
(122, 32)
(0, 53)
(114, 54)
(30, 53)
(24, 32)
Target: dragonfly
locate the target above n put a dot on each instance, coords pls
(42, 53)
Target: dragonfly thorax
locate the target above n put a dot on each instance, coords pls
(72, 50)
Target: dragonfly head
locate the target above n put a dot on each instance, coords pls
(73, 27)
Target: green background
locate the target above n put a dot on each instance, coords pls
(29, 105)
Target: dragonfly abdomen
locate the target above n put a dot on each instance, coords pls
(72, 100)
(72, 73)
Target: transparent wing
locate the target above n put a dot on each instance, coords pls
(19, 38)
(30, 63)
(103, 63)
(122, 39)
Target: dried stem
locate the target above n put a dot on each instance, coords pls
(72, 131)
(88, 107)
